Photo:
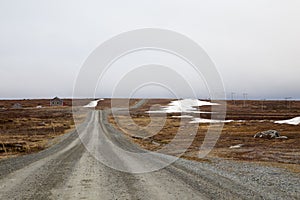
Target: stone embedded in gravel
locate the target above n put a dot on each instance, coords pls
(270, 134)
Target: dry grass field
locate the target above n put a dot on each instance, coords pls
(31, 129)
(253, 117)
(36, 125)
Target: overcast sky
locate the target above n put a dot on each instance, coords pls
(254, 44)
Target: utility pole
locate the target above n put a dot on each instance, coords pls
(232, 97)
(288, 102)
(245, 98)
(262, 104)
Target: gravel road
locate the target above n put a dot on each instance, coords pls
(69, 170)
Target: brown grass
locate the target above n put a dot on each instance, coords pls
(284, 152)
(29, 130)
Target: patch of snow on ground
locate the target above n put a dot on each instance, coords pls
(201, 120)
(294, 121)
(184, 106)
(92, 104)
(236, 146)
(188, 106)
(183, 116)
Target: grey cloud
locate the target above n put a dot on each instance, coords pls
(254, 44)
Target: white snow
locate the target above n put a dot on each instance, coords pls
(183, 106)
(201, 120)
(236, 146)
(92, 104)
(294, 121)
(188, 106)
(183, 116)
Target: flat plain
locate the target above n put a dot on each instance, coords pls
(246, 119)
(58, 165)
(31, 129)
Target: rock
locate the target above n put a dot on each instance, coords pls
(42, 124)
(270, 134)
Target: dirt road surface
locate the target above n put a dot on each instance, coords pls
(69, 170)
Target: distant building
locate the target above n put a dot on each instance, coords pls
(56, 102)
(17, 106)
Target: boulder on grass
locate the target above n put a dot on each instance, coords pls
(270, 134)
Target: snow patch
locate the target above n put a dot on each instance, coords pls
(201, 120)
(294, 121)
(183, 106)
(93, 104)
(236, 146)
(188, 106)
(183, 116)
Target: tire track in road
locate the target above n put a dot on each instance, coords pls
(91, 179)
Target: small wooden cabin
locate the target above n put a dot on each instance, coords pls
(56, 102)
